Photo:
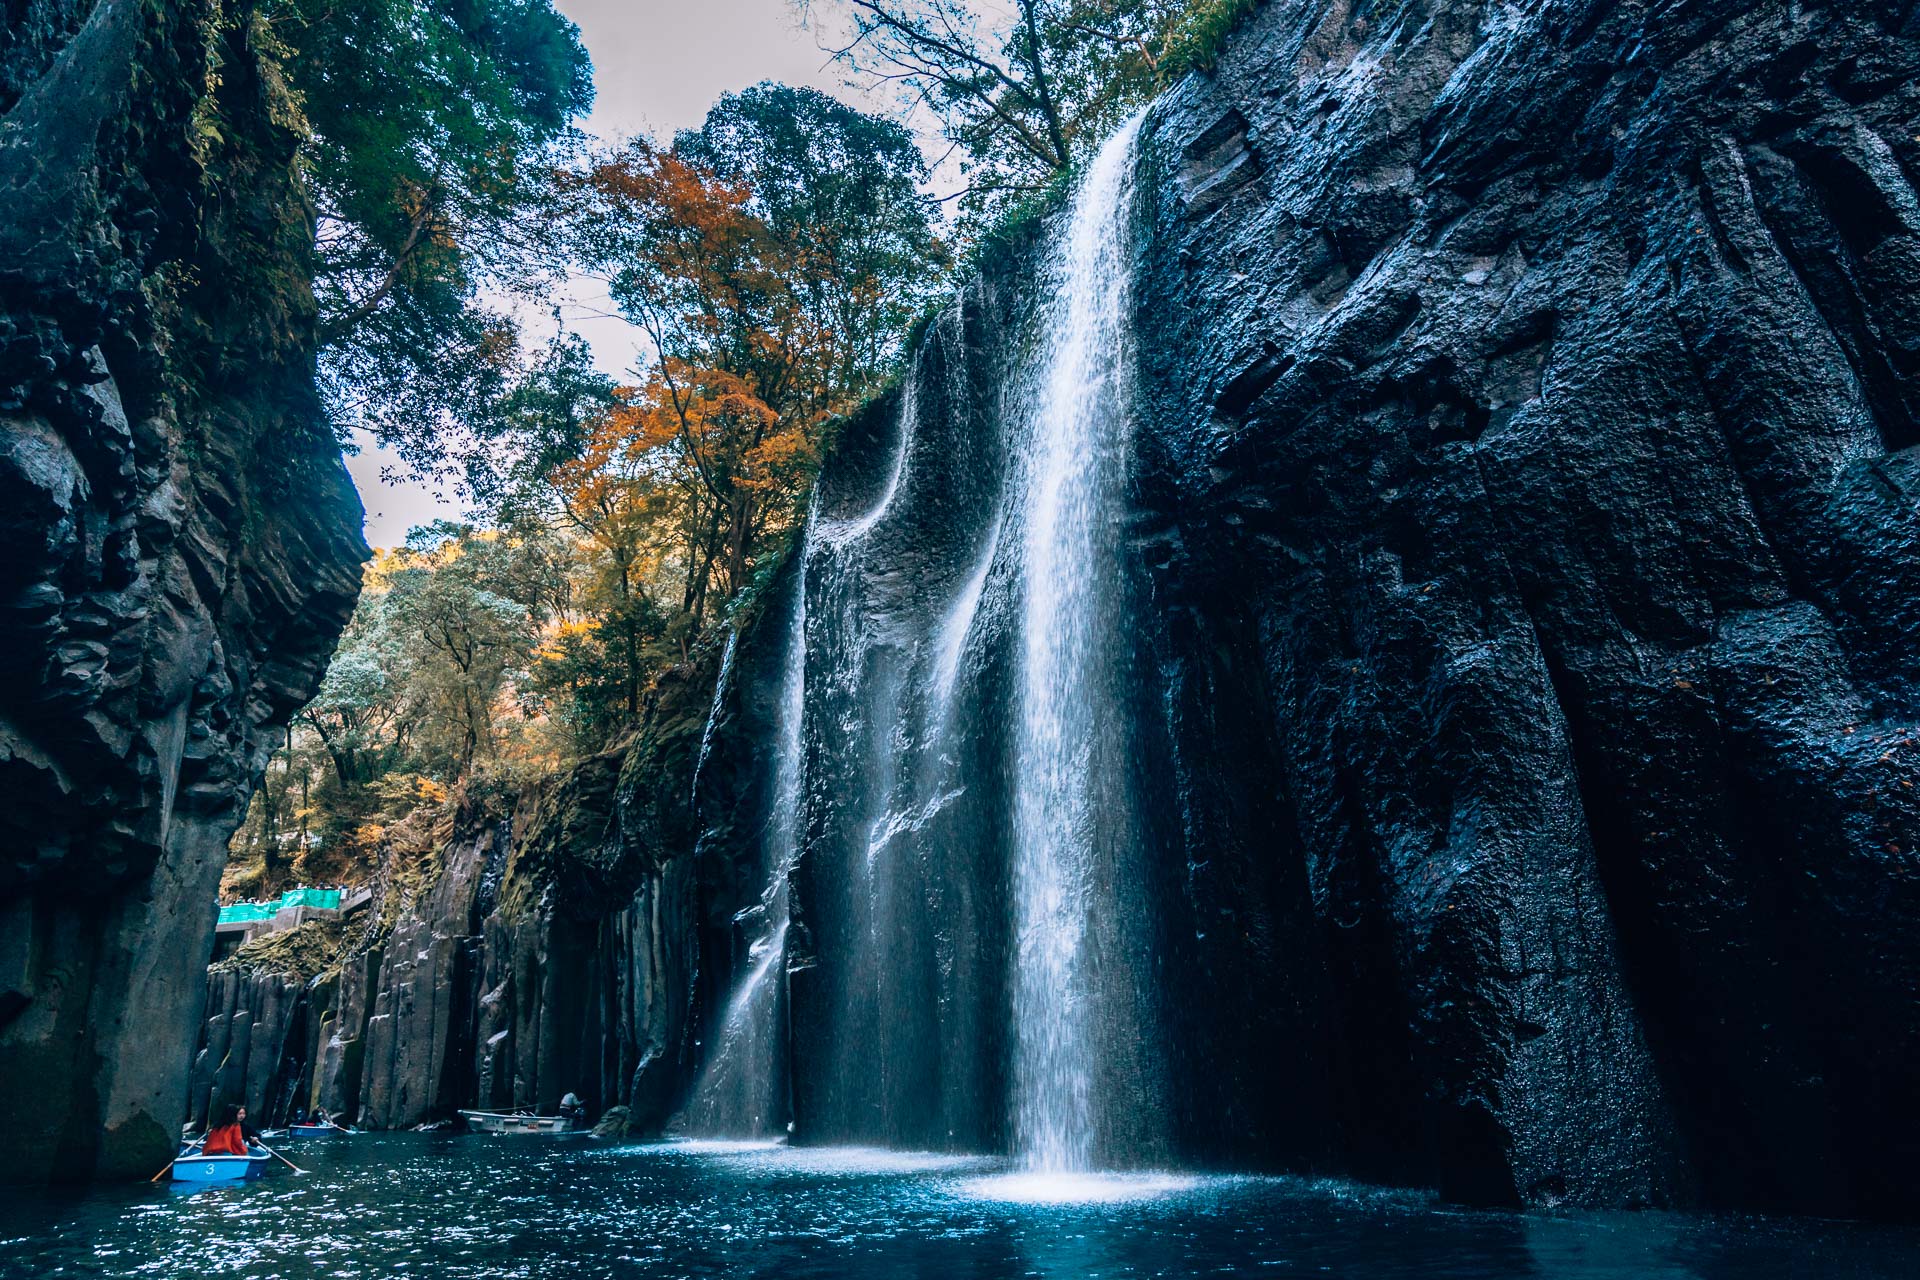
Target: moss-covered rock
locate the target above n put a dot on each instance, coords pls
(304, 951)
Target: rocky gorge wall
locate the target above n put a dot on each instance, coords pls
(555, 943)
(1525, 491)
(1513, 742)
(1511, 710)
(182, 542)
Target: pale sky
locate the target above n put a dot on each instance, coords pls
(658, 65)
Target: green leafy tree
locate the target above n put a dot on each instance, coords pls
(436, 129)
(841, 189)
(465, 642)
(543, 420)
(359, 715)
(1026, 89)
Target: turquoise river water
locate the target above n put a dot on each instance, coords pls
(373, 1207)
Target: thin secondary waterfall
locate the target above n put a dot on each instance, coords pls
(713, 713)
(951, 641)
(741, 1092)
(1075, 472)
(742, 1088)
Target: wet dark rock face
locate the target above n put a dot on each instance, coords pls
(182, 545)
(1523, 556)
(1527, 491)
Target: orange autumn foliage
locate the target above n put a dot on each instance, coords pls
(709, 455)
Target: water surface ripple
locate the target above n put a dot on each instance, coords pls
(382, 1206)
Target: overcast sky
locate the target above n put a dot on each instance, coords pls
(657, 66)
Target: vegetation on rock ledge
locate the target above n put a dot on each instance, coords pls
(777, 259)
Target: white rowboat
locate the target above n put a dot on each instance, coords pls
(515, 1122)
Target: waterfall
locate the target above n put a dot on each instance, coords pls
(713, 712)
(957, 845)
(862, 659)
(951, 642)
(741, 1092)
(836, 532)
(1075, 471)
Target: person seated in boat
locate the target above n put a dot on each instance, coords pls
(571, 1108)
(229, 1137)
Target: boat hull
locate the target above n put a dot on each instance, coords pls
(209, 1169)
(499, 1122)
(313, 1130)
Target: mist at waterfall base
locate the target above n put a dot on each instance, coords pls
(466, 1208)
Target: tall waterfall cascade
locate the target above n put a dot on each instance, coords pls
(1075, 472)
(950, 684)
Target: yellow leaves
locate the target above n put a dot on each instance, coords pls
(688, 428)
(554, 647)
(777, 458)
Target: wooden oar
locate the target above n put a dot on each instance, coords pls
(282, 1159)
(163, 1173)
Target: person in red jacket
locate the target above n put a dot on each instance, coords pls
(229, 1137)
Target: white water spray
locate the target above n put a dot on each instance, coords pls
(1075, 471)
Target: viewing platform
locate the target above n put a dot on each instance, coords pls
(242, 922)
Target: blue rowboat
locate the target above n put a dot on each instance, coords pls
(315, 1130)
(192, 1168)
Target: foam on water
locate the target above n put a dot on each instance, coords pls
(779, 1159)
(1030, 1186)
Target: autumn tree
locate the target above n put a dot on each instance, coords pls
(843, 189)
(772, 258)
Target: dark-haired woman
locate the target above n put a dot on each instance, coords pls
(229, 1137)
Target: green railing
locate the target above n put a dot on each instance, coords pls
(248, 912)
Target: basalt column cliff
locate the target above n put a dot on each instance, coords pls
(181, 542)
(1526, 485)
(1385, 638)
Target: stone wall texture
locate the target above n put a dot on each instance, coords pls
(182, 545)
